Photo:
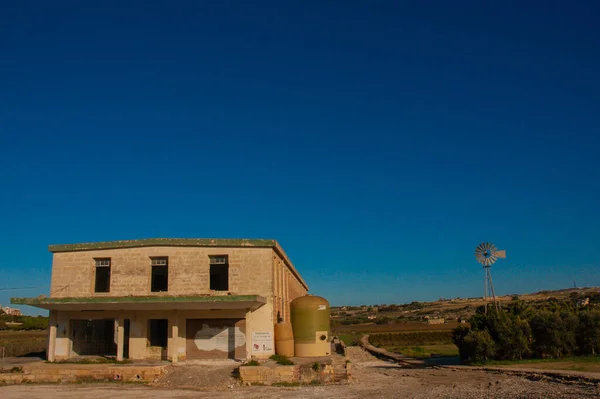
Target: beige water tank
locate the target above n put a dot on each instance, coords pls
(310, 323)
(284, 339)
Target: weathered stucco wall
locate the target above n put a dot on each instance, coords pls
(73, 273)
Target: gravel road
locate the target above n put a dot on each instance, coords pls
(372, 379)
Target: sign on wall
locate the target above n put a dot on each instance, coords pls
(262, 342)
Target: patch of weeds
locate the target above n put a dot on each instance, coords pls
(286, 384)
(98, 360)
(315, 382)
(252, 363)
(15, 369)
(348, 361)
(85, 379)
(316, 366)
(282, 359)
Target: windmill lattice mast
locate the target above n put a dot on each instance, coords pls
(486, 253)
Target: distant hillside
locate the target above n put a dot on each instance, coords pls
(448, 309)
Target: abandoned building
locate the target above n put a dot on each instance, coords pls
(170, 299)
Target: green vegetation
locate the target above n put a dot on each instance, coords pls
(548, 330)
(282, 359)
(411, 338)
(252, 363)
(316, 366)
(425, 351)
(350, 339)
(419, 344)
(27, 323)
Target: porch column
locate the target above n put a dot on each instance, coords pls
(120, 338)
(175, 338)
(51, 336)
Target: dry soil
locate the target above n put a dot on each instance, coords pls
(372, 378)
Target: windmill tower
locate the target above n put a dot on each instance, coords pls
(486, 253)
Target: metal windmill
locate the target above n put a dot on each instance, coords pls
(486, 253)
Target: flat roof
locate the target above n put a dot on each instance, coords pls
(181, 242)
(145, 302)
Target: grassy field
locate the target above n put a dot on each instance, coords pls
(413, 342)
(393, 327)
(583, 363)
(418, 344)
(425, 351)
(20, 343)
(350, 339)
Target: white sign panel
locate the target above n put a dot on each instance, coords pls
(262, 342)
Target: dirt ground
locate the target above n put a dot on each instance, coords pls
(372, 378)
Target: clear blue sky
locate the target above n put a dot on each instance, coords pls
(378, 142)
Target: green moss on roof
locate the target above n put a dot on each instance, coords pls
(175, 242)
(138, 299)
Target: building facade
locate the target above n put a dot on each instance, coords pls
(170, 299)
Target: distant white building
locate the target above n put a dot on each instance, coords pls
(11, 311)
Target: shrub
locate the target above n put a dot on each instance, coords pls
(282, 359)
(589, 332)
(252, 363)
(477, 346)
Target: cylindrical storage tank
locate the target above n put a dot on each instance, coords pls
(310, 323)
(284, 339)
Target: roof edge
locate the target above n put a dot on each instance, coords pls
(175, 242)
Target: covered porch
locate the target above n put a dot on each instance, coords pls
(150, 328)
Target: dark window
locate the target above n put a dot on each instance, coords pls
(219, 273)
(158, 332)
(102, 275)
(160, 274)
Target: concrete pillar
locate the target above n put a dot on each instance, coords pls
(120, 338)
(175, 338)
(52, 336)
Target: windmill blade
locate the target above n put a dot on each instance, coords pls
(500, 254)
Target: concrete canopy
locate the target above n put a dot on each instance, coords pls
(249, 302)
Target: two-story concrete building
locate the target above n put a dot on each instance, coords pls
(168, 298)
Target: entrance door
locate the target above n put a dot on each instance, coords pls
(216, 338)
(126, 328)
(94, 337)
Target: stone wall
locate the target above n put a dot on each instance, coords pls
(82, 373)
(268, 375)
(272, 374)
(250, 271)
